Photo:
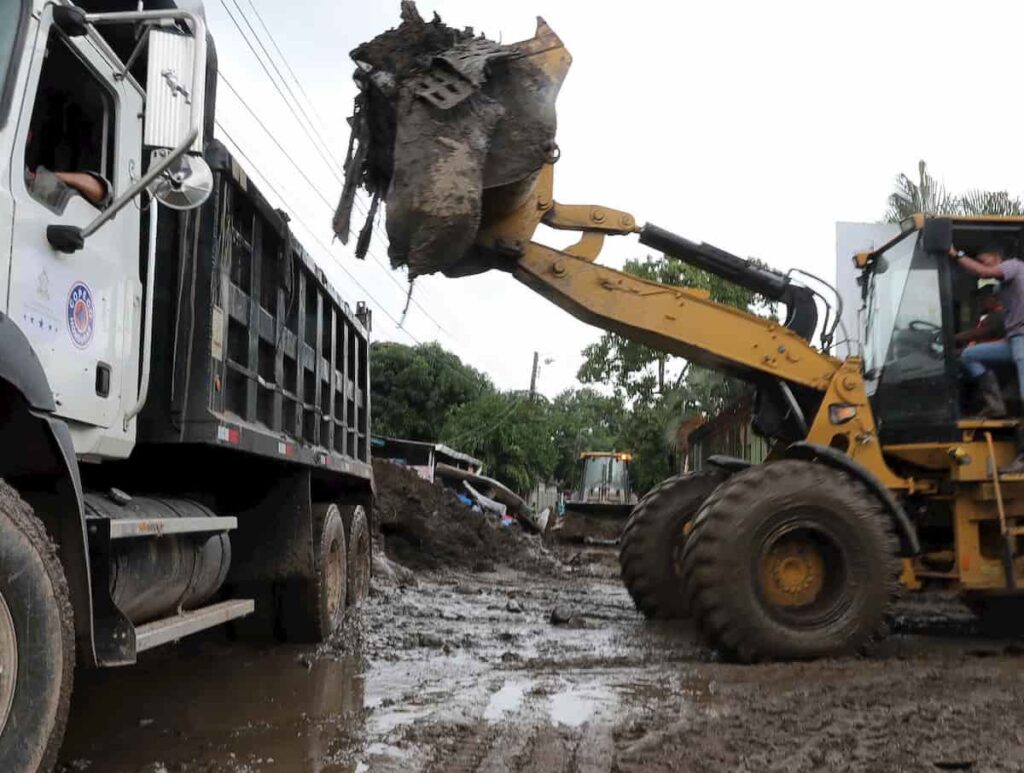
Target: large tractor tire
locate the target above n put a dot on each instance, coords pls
(37, 640)
(357, 534)
(317, 607)
(791, 560)
(652, 542)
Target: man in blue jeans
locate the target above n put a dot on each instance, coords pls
(983, 342)
(992, 263)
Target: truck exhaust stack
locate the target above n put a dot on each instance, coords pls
(451, 130)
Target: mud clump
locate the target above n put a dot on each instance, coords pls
(442, 117)
(426, 527)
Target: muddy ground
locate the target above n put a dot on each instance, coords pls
(466, 671)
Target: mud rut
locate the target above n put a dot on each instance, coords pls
(466, 672)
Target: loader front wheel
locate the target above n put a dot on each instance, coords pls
(653, 539)
(791, 560)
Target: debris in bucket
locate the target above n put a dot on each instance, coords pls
(443, 116)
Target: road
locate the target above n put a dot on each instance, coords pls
(466, 672)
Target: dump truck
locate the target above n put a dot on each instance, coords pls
(878, 476)
(184, 397)
(600, 501)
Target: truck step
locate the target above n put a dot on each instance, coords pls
(179, 626)
(128, 528)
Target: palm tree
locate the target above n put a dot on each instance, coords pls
(929, 196)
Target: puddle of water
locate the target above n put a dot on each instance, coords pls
(506, 700)
(575, 705)
(383, 722)
(234, 703)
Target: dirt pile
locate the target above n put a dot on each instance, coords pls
(426, 527)
(441, 117)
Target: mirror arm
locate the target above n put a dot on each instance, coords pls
(70, 239)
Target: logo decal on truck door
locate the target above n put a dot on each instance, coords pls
(80, 315)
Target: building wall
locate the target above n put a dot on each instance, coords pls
(728, 434)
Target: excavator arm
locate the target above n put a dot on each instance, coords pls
(678, 320)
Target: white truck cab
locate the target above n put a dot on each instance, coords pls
(184, 399)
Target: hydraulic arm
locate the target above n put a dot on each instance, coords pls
(679, 320)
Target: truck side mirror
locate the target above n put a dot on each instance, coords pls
(938, 235)
(175, 103)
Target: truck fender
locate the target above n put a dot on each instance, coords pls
(45, 470)
(910, 544)
(20, 367)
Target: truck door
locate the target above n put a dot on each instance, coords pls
(80, 311)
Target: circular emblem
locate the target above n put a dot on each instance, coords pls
(80, 315)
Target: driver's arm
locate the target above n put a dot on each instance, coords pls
(90, 186)
(976, 267)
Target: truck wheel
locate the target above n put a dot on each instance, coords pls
(791, 560)
(37, 640)
(315, 609)
(358, 534)
(653, 539)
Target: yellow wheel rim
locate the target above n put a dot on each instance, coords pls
(792, 572)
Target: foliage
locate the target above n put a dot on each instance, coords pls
(510, 432)
(929, 196)
(584, 420)
(635, 371)
(413, 388)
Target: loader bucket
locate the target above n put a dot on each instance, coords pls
(452, 131)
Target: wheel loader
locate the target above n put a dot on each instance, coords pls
(879, 479)
(597, 508)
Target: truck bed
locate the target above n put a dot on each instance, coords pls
(252, 347)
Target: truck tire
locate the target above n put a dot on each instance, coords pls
(791, 560)
(652, 542)
(357, 532)
(37, 641)
(320, 607)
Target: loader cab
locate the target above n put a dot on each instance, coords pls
(914, 301)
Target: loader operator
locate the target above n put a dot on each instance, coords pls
(992, 263)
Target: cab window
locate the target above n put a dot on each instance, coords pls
(72, 126)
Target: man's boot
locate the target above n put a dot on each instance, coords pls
(990, 397)
(1016, 467)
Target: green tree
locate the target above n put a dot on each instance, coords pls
(927, 195)
(660, 389)
(583, 420)
(510, 432)
(635, 371)
(413, 388)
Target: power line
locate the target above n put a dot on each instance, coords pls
(312, 124)
(323, 197)
(277, 88)
(284, 60)
(311, 231)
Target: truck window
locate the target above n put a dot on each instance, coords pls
(72, 126)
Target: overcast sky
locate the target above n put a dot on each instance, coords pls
(753, 126)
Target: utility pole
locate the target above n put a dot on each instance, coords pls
(533, 375)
